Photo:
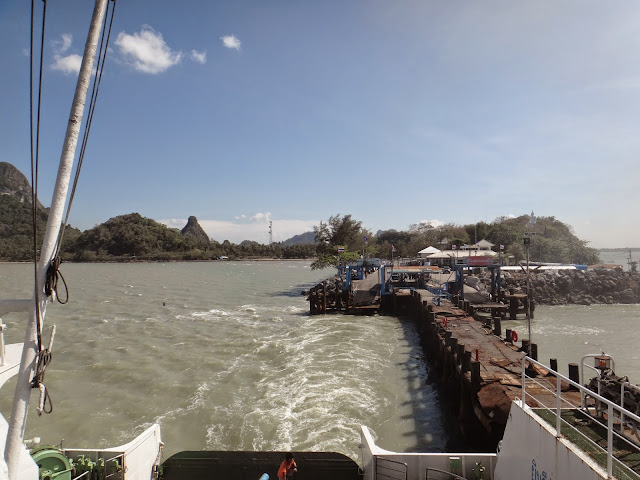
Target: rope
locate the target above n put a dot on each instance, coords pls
(51, 280)
(45, 405)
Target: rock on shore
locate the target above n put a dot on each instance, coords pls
(577, 286)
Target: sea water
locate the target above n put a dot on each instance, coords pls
(225, 356)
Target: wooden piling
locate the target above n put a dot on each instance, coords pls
(459, 353)
(324, 297)
(534, 351)
(513, 307)
(475, 376)
(466, 360)
(497, 327)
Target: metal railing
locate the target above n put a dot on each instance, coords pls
(443, 474)
(2, 349)
(616, 416)
(439, 292)
(386, 468)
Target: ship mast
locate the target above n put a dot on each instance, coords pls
(17, 425)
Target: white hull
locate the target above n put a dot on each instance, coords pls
(530, 450)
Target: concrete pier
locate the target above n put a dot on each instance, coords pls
(479, 369)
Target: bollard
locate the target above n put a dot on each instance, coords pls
(534, 351)
(466, 304)
(507, 334)
(497, 327)
(525, 346)
(574, 374)
(553, 364)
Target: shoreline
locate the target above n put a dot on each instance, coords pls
(258, 259)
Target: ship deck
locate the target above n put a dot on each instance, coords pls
(590, 436)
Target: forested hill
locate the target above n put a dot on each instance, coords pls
(122, 238)
(16, 216)
(306, 237)
(134, 237)
(130, 235)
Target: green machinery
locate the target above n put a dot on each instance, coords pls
(54, 465)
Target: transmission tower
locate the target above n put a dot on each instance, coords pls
(270, 232)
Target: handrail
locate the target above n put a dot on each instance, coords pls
(395, 462)
(582, 365)
(451, 475)
(595, 355)
(612, 409)
(3, 327)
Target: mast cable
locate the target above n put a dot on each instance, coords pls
(44, 356)
(53, 272)
(35, 159)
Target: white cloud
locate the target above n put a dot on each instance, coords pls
(261, 217)
(200, 57)
(147, 51)
(231, 41)
(62, 45)
(66, 64)
(254, 228)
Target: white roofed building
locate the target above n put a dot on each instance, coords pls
(462, 255)
(424, 253)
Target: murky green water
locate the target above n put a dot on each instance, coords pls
(226, 357)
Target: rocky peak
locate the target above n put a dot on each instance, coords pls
(194, 230)
(13, 182)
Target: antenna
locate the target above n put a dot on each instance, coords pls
(270, 232)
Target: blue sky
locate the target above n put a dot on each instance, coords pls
(396, 112)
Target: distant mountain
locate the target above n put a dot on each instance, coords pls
(194, 231)
(307, 237)
(14, 183)
(16, 216)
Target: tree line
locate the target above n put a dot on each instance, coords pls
(134, 237)
(551, 240)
